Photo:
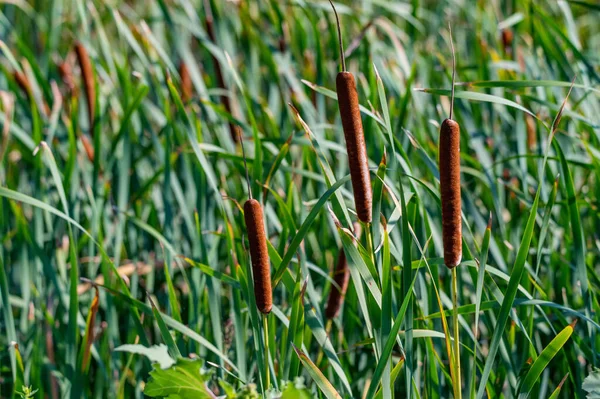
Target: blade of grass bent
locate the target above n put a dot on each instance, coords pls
(536, 369)
(510, 294)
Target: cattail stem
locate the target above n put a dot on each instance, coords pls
(453, 71)
(267, 353)
(341, 43)
(457, 389)
(369, 241)
(328, 325)
(245, 165)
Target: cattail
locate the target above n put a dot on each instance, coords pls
(449, 167)
(66, 73)
(450, 187)
(210, 30)
(23, 83)
(355, 138)
(261, 268)
(341, 276)
(87, 72)
(25, 86)
(507, 40)
(186, 82)
(531, 132)
(88, 147)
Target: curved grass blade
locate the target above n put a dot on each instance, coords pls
(556, 392)
(519, 84)
(510, 294)
(543, 360)
(482, 97)
(297, 240)
(225, 278)
(390, 342)
(9, 323)
(164, 331)
(317, 375)
(175, 325)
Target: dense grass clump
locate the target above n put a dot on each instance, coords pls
(196, 202)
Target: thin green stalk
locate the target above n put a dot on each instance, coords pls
(267, 356)
(457, 382)
(369, 239)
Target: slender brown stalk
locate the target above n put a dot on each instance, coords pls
(87, 73)
(186, 82)
(261, 268)
(341, 276)
(355, 138)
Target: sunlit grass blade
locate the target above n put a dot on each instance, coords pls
(317, 376)
(303, 230)
(509, 295)
(543, 360)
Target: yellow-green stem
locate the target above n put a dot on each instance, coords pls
(457, 383)
(267, 354)
(327, 331)
(369, 238)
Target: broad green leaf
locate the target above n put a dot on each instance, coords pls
(183, 380)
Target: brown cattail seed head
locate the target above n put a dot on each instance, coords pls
(507, 40)
(531, 132)
(87, 73)
(261, 269)
(88, 147)
(341, 276)
(186, 82)
(23, 83)
(450, 186)
(66, 74)
(355, 144)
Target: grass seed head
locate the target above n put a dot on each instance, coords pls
(449, 167)
(261, 268)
